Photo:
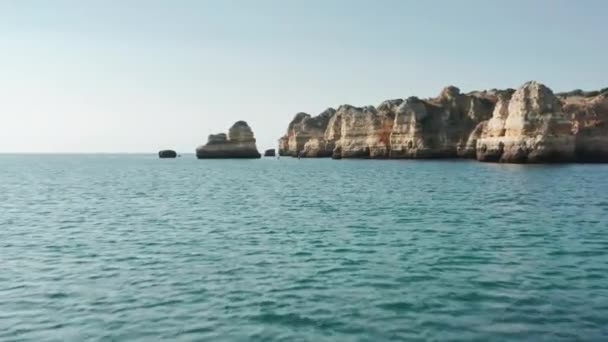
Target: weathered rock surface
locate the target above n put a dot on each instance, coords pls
(589, 116)
(270, 153)
(533, 129)
(306, 136)
(410, 128)
(239, 143)
(527, 125)
(167, 154)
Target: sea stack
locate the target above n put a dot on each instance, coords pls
(167, 154)
(239, 143)
(270, 153)
(527, 125)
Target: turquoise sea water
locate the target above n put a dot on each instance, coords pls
(133, 248)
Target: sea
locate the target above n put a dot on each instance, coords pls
(130, 247)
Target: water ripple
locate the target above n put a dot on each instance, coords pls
(130, 248)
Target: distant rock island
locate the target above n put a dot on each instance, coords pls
(164, 154)
(527, 125)
(270, 153)
(239, 143)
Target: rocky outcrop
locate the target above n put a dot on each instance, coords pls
(589, 116)
(533, 128)
(306, 136)
(527, 125)
(439, 127)
(270, 153)
(239, 143)
(411, 128)
(167, 154)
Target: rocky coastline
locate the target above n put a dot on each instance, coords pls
(528, 125)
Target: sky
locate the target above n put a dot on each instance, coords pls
(144, 75)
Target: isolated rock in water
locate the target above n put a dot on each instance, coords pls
(239, 143)
(270, 153)
(530, 125)
(167, 154)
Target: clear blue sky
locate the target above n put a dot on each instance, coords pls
(138, 76)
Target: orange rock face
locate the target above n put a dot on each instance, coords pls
(527, 125)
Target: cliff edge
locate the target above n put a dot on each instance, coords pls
(527, 125)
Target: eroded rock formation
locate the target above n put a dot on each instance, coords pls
(527, 125)
(589, 117)
(239, 143)
(306, 136)
(533, 128)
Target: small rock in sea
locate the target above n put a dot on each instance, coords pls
(167, 154)
(270, 153)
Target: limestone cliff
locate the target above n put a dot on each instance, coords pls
(589, 115)
(527, 125)
(239, 143)
(439, 127)
(305, 136)
(411, 128)
(533, 128)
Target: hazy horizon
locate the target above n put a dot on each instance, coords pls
(140, 76)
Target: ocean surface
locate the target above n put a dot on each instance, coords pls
(133, 248)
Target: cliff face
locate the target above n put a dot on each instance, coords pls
(239, 143)
(439, 127)
(589, 125)
(363, 133)
(533, 128)
(306, 136)
(412, 128)
(530, 124)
